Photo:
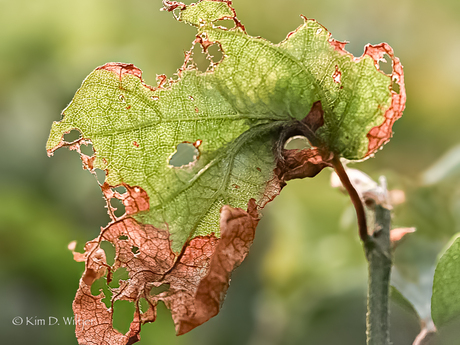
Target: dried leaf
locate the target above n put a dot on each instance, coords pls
(186, 227)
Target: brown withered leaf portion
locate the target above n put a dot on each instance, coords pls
(303, 163)
(237, 233)
(196, 280)
(381, 134)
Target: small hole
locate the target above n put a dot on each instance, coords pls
(135, 250)
(199, 57)
(215, 53)
(144, 304)
(176, 12)
(73, 135)
(387, 65)
(225, 23)
(87, 149)
(109, 252)
(120, 189)
(123, 315)
(100, 175)
(119, 274)
(159, 289)
(297, 142)
(118, 206)
(123, 237)
(99, 286)
(395, 86)
(186, 154)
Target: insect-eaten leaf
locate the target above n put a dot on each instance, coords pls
(199, 155)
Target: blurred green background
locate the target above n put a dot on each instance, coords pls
(304, 281)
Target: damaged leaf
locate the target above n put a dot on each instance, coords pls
(188, 224)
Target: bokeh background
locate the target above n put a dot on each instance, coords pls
(304, 281)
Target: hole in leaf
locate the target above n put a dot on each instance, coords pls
(387, 65)
(109, 252)
(395, 86)
(99, 286)
(120, 189)
(73, 135)
(337, 75)
(159, 289)
(200, 58)
(225, 23)
(119, 274)
(144, 305)
(87, 149)
(204, 60)
(107, 300)
(297, 142)
(186, 154)
(135, 250)
(215, 53)
(123, 237)
(100, 175)
(164, 321)
(123, 315)
(176, 12)
(118, 206)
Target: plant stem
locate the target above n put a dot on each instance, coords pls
(377, 247)
(378, 254)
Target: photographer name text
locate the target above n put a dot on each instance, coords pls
(51, 321)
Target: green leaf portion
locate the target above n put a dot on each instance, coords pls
(235, 111)
(352, 106)
(286, 79)
(136, 130)
(445, 302)
(206, 12)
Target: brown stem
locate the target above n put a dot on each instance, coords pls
(354, 196)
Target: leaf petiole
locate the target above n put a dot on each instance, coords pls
(354, 196)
